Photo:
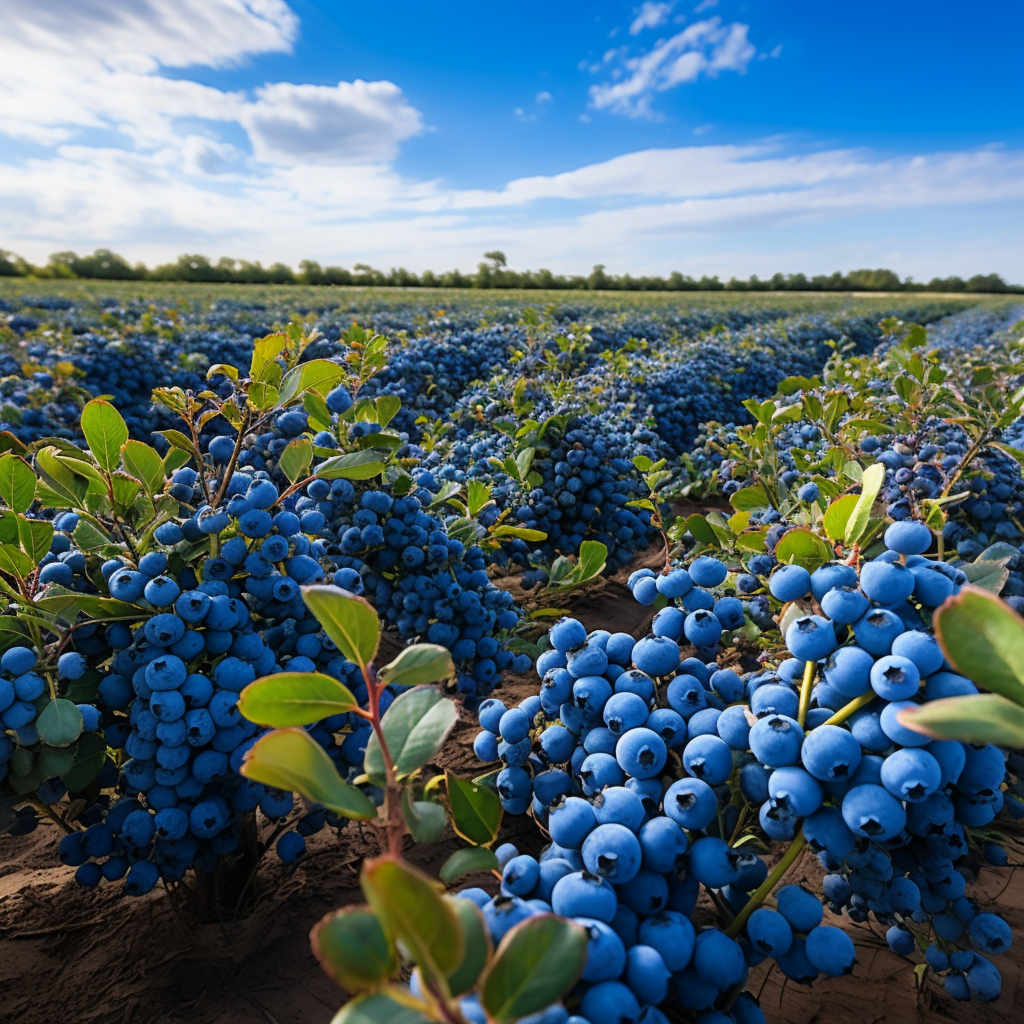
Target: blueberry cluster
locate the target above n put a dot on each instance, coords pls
(587, 481)
(727, 370)
(631, 753)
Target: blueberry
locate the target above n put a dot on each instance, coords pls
(707, 572)
(870, 811)
(790, 583)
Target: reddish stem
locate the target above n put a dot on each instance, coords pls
(394, 823)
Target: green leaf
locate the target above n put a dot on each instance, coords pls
(476, 810)
(387, 408)
(478, 948)
(853, 471)
(536, 964)
(89, 537)
(971, 718)
(990, 576)
(380, 1008)
(174, 459)
(592, 560)
(802, 547)
(411, 908)
(319, 375)
(295, 698)
(354, 949)
(296, 459)
(448, 490)
(144, 463)
(467, 860)
(87, 470)
(263, 396)
(317, 409)
(871, 484)
(415, 726)
(60, 723)
(55, 761)
(59, 478)
(522, 532)
(14, 561)
(348, 620)
(35, 536)
(738, 521)
(223, 368)
(478, 494)
(700, 530)
(747, 499)
(17, 482)
(265, 351)
(105, 431)
(790, 385)
(1001, 552)
(419, 664)
(13, 632)
(983, 639)
(752, 540)
(290, 759)
(837, 515)
(353, 466)
(425, 819)
(126, 488)
(176, 439)
(90, 757)
(8, 528)
(68, 603)
(524, 460)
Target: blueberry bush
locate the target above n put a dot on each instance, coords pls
(216, 516)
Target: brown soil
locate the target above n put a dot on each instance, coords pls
(81, 956)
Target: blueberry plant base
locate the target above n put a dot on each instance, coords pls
(230, 889)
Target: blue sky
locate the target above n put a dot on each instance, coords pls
(727, 137)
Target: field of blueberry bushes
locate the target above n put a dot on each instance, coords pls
(389, 657)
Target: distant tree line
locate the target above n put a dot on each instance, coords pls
(492, 272)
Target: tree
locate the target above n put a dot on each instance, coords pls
(874, 280)
(986, 283)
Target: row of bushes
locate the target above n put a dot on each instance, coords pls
(492, 272)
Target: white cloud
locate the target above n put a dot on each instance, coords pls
(703, 48)
(153, 165)
(139, 35)
(207, 158)
(650, 15)
(354, 122)
(731, 209)
(72, 67)
(705, 5)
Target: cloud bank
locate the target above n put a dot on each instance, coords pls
(102, 143)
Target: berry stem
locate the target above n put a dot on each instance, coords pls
(394, 822)
(805, 692)
(51, 814)
(765, 888)
(848, 709)
(232, 462)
